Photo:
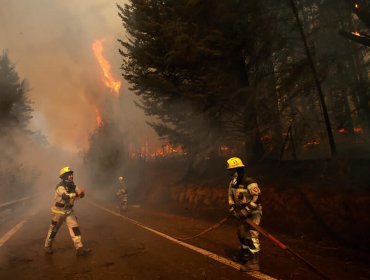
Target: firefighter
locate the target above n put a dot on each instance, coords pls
(66, 193)
(122, 194)
(244, 197)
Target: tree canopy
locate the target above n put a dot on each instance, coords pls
(15, 114)
(197, 66)
(15, 107)
(235, 73)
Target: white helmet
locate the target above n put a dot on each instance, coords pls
(120, 178)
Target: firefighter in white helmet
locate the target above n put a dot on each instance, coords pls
(244, 198)
(66, 193)
(122, 194)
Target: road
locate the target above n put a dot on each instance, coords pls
(121, 249)
(138, 245)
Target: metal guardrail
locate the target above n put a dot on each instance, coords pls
(15, 203)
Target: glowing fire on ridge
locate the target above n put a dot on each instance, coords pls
(108, 79)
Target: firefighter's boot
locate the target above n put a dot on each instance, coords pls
(82, 252)
(48, 250)
(252, 264)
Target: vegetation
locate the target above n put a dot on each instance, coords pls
(235, 73)
(243, 77)
(15, 108)
(107, 154)
(15, 114)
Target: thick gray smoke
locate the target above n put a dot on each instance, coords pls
(50, 42)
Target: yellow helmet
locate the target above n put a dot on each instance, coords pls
(65, 170)
(234, 162)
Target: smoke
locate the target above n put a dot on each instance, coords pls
(50, 43)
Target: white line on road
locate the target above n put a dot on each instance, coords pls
(255, 274)
(11, 232)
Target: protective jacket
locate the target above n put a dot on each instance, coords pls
(122, 191)
(245, 196)
(64, 198)
(122, 194)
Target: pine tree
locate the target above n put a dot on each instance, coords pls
(15, 107)
(15, 114)
(107, 154)
(199, 65)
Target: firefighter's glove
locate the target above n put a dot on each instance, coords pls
(232, 210)
(80, 193)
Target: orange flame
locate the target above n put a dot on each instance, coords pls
(356, 33)
(143, 151)
(109, 81)
(357, 130)
(99, 119)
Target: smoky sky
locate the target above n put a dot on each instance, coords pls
(50, 42)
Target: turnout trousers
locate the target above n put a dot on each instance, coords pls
(248, 237)
(56, 222)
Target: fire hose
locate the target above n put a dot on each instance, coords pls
(216, 225)
(267, 235)
(286, 248)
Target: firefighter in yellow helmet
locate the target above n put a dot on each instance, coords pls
(66, 193)
(122, 194)
(244, 197)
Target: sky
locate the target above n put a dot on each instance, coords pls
(50, 42)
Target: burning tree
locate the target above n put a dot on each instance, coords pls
(111, 83)
(107, 153)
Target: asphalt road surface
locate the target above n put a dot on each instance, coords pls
(140, 245)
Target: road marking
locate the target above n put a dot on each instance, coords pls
(255, 274)
(11, 232)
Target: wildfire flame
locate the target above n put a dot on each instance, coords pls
(357, 130)
(145, 152)
(356, 33)
(99, 119)
(109, 81)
